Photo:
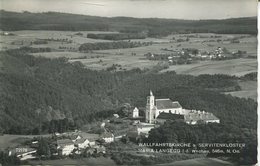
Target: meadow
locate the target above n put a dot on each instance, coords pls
(236, 67)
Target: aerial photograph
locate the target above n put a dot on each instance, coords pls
(128, 82)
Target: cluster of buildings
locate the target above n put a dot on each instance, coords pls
(66, 144)
(78, 143)
(154, 107)
(189, 55)
(160, 110)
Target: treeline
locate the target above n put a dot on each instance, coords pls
(154, 27)
(250, 76)
(111, 45)
(116, 36)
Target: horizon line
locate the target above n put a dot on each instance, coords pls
(165, 18)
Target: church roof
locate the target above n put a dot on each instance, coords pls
(166, 104)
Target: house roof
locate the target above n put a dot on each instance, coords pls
(200, 116)
(74, 136)
(166, 104)
(170, 116)
(145, 126)
(63, 142)
(80, 141)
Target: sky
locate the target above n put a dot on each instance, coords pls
(176, 9)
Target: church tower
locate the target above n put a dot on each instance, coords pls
(150, 109)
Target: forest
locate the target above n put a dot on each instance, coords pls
(11, 21)
(86, 47)
(117, 36)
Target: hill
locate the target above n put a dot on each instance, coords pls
(53, 89)
(11, 21)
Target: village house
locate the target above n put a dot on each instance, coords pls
(65, 146)
(141, 129)
(75, 137)
(135, 113)
(92, 141)
(82, 143)
(107, 137)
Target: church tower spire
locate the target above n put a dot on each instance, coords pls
(149, 113)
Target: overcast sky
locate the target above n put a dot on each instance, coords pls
(179, 9)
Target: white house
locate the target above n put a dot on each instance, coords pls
(144, 128)
(82, 143)
(65, 146)
(107, 137)
(135, 113)
(92, 141)
(75, 137)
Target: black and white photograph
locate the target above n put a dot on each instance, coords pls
(128, 82)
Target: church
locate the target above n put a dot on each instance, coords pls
(155, 107)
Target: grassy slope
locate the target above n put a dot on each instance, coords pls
(9, 141)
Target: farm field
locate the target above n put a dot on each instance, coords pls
(24, 38)
(199, 162)
(237, 67)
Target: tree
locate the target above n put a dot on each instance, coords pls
(43, 148)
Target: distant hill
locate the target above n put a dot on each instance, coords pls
(10, 21)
